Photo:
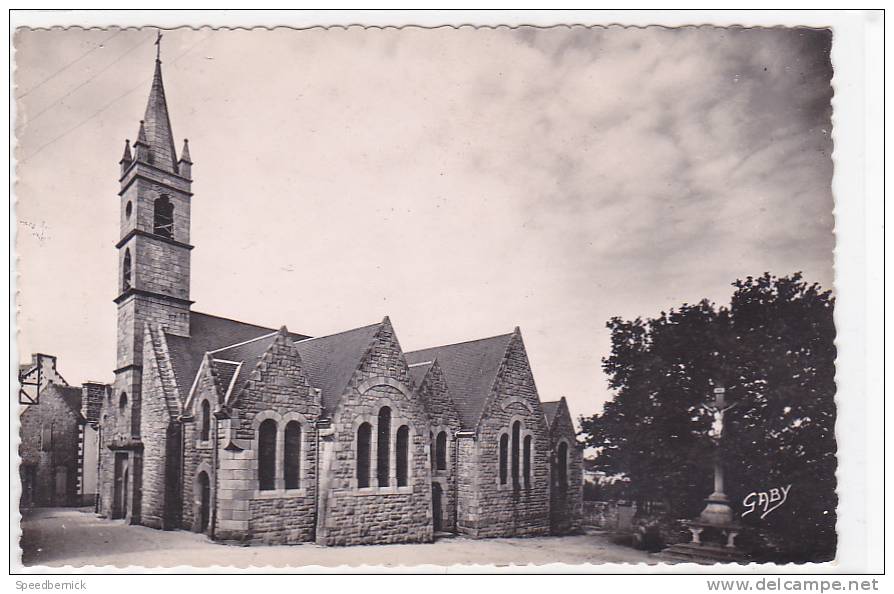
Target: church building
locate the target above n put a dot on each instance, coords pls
(257, 435)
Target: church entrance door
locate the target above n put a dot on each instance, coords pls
(119, 496)
(204, 501)
(437, 508)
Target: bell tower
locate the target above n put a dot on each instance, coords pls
(154, 248)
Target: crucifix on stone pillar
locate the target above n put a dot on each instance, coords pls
(718, 511)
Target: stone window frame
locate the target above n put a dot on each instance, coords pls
(555, 465)
(524, 431)
(279, 480)
(123, 424)
(435, 431)
(204, 444)
(398, 419)
(127, 270)
(163, 209)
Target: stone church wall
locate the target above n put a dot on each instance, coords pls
(198, 455)
(278, 390)
(377, 514)
(154, 422)
(442, 417)
(566, 500)
(512, 510)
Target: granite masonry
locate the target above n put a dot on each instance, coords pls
(58, 452)
(254, 435)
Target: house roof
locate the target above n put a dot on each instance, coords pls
(71, 395)
(208, 333)
(550, 409)
(470, 369)
(330, 361)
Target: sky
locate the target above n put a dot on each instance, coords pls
(461, 181)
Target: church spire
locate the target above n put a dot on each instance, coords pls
(157, 124)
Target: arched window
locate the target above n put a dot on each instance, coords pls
(163, 220)
(364, 435)
(292, 456)
(384, 450)
(504, 458)
(526, 461)
(205, 433)
(562, 465)
(441, 450)
(267, 455)
(122, 402)
(403, 455)
(516, 433)
(126, 270)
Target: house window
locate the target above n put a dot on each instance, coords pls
(384, 450)
(403, 455)
(504, 457)
(364, 435)
(562, 465)
(292, 456)
(46, 438)
(122, 402)
(267, 455)
(516, 433)
(163, 217)
(441, 450)
(205, 433)
(128, 209)
(526, 461)
(126, 271)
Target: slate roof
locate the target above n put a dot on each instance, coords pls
(71, 395)
(470, 369)
(419, 371)
(223, 374)
(330, 361)
(246, 353)
(549, 410)
(208, 333)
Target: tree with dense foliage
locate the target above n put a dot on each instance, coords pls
(773, 350)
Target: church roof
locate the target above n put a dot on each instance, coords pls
(470, 369)
(550, 409)
(208, 333)
(246, 353)
(157, 126)
(418, 372)
(330, 361)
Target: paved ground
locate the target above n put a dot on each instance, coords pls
(59, 537)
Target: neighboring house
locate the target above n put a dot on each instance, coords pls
(255, 435)
(59, 440)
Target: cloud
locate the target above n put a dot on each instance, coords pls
(462, 181)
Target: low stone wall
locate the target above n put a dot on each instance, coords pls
(609, 515)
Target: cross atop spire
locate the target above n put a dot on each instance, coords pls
(158, 47)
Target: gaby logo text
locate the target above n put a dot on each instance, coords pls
(765, 500)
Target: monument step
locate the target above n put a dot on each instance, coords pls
(701, 553)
